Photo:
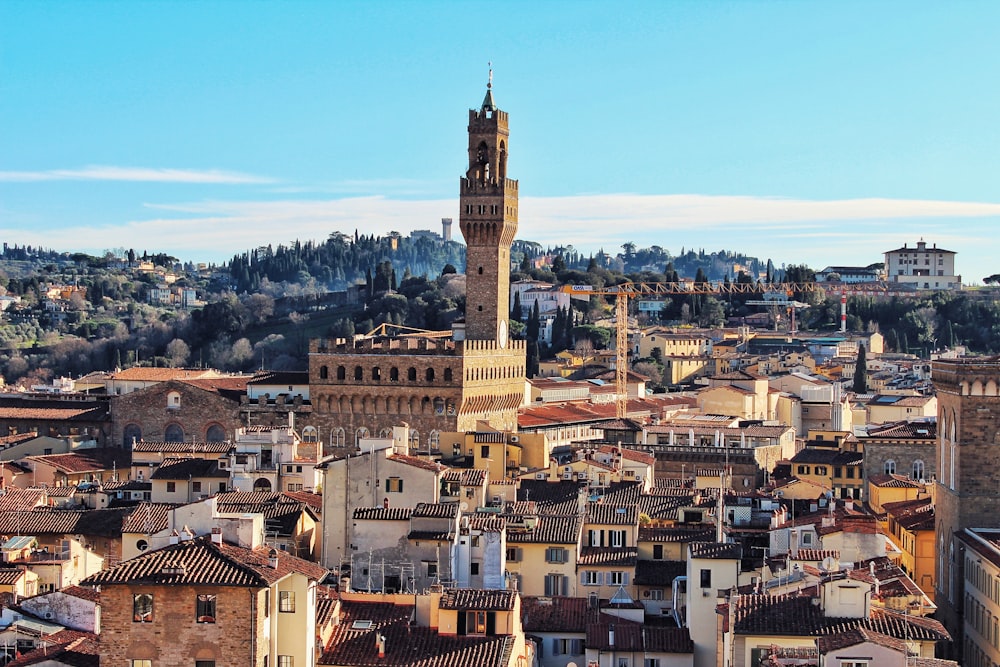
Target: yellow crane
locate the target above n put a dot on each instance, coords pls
(624, 291)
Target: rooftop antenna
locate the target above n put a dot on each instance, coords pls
(489, 84)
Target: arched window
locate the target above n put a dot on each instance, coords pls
(918, 469)
(394, 374)
(359, 373)
(890, 467)
(173, 401)
(173, 433)
(215, 433)
(448, 375)
(263, 485)
(434, 439)
(324, 372)
(338, 437)
(310, 434)
(429, 375)
(411, 374)
(341, 373)
(414, 440)
(376, 374)
(359, 434)
(131, 435)
(385, 433)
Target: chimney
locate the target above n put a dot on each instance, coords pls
(272, 558)
(611, 636)
(175, 537)
(217, 535)
(380, 642)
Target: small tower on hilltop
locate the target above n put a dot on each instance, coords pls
(488, 220)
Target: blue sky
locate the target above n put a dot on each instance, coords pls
(816, 132)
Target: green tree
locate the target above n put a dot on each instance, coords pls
(860, 385)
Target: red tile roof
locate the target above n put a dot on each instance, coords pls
(157, 374)
(66, 647)
(148, 518)
(202, 562)
(608, 556)
(20, 500)
(417, 462)
(478, 600)
(555, 614)
(83, 593)
(406, 645)
(86, 460)
(182, 447)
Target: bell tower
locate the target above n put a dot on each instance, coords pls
(488, 220)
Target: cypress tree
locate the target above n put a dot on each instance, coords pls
(861, 372)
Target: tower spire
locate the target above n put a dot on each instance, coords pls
(488, 104)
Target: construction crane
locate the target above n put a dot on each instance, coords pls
(624, 291)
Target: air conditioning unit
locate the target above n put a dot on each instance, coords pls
(515, 439)
(567, 475)
(539, 475)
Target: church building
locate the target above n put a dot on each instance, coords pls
(439, 381)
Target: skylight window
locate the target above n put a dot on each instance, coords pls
(361, 625)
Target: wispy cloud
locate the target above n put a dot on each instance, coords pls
(136, 174)
(788, 230)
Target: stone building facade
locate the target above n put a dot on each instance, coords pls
(178, 411)
(968, 470)
(363, 387)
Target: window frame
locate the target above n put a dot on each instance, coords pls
(286, 602)
(206, 607)
(140, 613)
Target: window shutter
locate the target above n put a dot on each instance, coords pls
(583, 577)
(400, 484)
(387, 486)
(600, 578)
(555, 646)
(624, 578)
(564, 581)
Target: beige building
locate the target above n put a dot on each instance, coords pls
(922, 267)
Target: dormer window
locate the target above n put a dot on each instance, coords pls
(173, 401)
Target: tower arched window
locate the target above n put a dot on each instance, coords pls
(890, 467)
(337, 437)
(310, 434)
(173, 433)
(324, 372)
(448, 375)
(394, 374)
(359, 434)
(415, 440)
(359, 373)
(341, 373)
(411, 374)
(376, 374)
(215, 433)
(429, 375)
(918, 469)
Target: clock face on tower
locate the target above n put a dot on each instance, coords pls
(502, 333)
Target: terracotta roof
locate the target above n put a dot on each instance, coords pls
(382, 513)
(815, 555)
(555, 614)
(478, 600)
(281, 377)
(156, 374)
(608, 556)
(828, 456)
(152, 446)
(83, 593)
(715, 550)
(912, 514)
(668, 640)
(126, 485)
(627, 636)
(658, 572)
(185, 469)
(148, 518)
(550, 529)
(435, 510)
(904, 430)
(17, 438)
(882, 480)
(20, 500)
(761, 614)
(66, 647)
(313, 500)
(202, 562)
(471, 477)
(50, 521)
(86, 412)
(86, 460)
(406, 645)
(676, 534)
(600, 513)
(10, 575)
(486, 523)
(417, 462)
(551, 497)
